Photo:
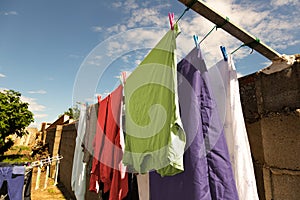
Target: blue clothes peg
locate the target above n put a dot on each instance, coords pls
(224, 53)
(196, 40)
(197, 43)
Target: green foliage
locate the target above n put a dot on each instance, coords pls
(73, 112)
(14, 118)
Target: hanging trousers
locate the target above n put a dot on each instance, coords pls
(14, 176)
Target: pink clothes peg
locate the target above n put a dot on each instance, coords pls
(172, 20)
(99, 98)
(124, 77)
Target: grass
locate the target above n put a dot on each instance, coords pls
(24, 148)
(14, 158)
(52, 191)
(16, 154)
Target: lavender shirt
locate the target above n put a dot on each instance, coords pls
(208, 173)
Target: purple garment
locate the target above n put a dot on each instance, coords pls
(15, 181)
(208, 173)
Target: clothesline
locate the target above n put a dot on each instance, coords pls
(241, 183)
(223, 22)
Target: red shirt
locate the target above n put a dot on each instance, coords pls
(107, 143)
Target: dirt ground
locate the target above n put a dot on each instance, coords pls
(51, 192)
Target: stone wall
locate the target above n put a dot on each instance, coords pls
(271, 105)
(66, 149)
(50, 137)
(62, 140)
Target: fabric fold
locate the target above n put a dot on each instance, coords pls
(107, 163)
(208, 173)
(154, 138)
(78, 179)
(234, 128)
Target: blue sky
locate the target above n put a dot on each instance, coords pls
(58, 52)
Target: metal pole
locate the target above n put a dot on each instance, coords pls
(38, 177)
(47, 174)
(56, 171)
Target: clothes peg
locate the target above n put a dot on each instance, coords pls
(224, 53)
(123, 74)
(99, 98)
(197, 43)
(196, 40)
(172, 21)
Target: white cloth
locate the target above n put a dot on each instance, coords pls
(78, 179)
(229, 105)
(143, 186)
(122, 167)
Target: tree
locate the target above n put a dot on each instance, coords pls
(73, 112)
(14, 118)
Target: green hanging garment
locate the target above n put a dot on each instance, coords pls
(154, 139)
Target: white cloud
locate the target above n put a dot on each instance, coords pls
(136, 39)
(97, 28)
(35, 108)
(116, 29)
(37, 92)
(276, 29)
(33, 105)
(117, 4)
(98, 57)
(127, 73)
(96, 60)
(137, 62)
(141, 15)
(9, 13)
(284, 2)
(129, 5)
(2, 89)
(38, 116)
(91, 100)
(33, 125)
(126, 58)
(147, 17)
(2, 75)
(94, 99)
(93, 62)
